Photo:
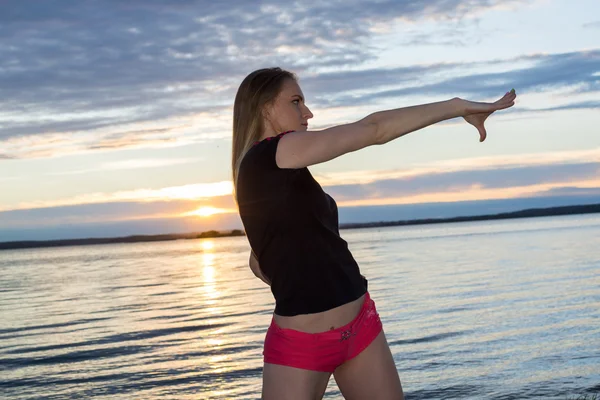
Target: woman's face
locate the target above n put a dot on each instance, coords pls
(288, 112)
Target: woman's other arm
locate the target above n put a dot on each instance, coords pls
(255, 267)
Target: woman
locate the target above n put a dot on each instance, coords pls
(324, 320)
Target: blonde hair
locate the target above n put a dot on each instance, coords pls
(256, 91)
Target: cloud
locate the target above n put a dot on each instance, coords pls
(582, 105)
(473, 164)
(457, 181)
(572, 191)
(468, 179)
(152, 226)
(483, 173)
(169, 132)
(558, 173)
(232, 221)
(130, 164)
(65, 51)
(95, 212)
(592, 25)
(576, 70)
(195, 192)
(117, 211)
(119, 141)
(82, 66)
(545, 72)
(117, 220)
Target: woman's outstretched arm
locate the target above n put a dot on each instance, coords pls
(392, 124)
(395, 123)
(302, 149)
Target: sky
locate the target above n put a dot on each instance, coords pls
(115, 117)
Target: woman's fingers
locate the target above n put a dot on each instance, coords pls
(506, 101)
(502, 106)
(508, 97)
(477, 113)
(482, 132)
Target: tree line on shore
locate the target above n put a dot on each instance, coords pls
(530, 213)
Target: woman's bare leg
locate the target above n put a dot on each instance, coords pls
(287, 383)
(370, 375)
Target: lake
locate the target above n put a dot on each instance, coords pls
(481, 310)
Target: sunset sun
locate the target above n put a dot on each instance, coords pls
(206, 211)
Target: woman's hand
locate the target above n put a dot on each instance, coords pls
(476, 113)
(255, 267)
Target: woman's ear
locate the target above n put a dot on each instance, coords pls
(266, 114)
(267, 111)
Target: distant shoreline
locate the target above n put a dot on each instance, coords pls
(528, 213)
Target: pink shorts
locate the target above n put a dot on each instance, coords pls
(323, 351)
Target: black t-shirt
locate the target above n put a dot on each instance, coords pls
(292, 226)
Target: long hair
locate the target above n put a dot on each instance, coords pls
(256, 91)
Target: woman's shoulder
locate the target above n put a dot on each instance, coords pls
(262, 152)
(271, 139)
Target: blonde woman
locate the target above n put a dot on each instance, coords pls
(324, 321)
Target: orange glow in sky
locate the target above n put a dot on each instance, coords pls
(206, 211)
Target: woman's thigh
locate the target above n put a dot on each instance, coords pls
(287, 383)
(370, 375)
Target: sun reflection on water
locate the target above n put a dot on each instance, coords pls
(209, 275)
(208, 268)
(215, 342)
(217, 362)
(208, 245)
(222, 341)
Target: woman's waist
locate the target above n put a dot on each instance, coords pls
(324, 321)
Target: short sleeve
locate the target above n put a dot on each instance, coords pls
(266, 151)
(260, 180)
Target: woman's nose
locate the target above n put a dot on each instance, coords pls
(307, 113)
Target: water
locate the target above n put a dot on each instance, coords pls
(484, 310)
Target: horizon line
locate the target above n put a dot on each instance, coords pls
(137, 238)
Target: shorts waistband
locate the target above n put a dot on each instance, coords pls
(295, 333)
